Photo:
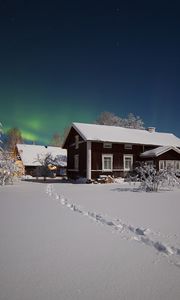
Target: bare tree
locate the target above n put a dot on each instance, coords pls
(45, 161)
(108, 118)
(65, 133)
(13, 137)
(56, 140)
(132, 121)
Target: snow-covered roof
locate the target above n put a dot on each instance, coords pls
(29, 154)
(158, 151)
(114, 134)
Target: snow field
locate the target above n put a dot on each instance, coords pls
(74, 241)
(136, 233)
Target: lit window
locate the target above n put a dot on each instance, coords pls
(107, 162)
(128, 162)
(107, 145)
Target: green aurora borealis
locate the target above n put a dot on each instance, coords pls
(39, 118)
(68, 61)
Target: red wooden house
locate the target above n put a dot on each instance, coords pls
(94, 150)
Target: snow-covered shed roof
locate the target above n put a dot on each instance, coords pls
(114, 134)
(29, 154)
(159, 151)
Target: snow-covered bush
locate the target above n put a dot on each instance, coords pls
(7, 168)
(7, 165)
(152, 180)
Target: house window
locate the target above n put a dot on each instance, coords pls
(161, 165)
(169, 164)
(128, 162)
(177, 165)
(107, 145)
(76, 141)
(107, 162)
(128, 146)
(76, 162)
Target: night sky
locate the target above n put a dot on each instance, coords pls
(65, 60)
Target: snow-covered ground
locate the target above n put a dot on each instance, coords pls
(73, 241)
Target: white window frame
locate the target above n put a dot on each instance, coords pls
(170, 164)
(124, 160)
(128, 146)
(174, 164)
(107, 145)
(76, 141)
(161, 162)
(76, 162)
(103, 164)
(177, 165)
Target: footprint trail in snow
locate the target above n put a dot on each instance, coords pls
(136, 233)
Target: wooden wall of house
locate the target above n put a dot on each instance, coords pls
(152, 159)
(70, 141)
(72, 151)
(170, 155)
(81, 151)
(30, 170)
(118, 152)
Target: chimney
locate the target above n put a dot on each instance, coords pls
(151, 129)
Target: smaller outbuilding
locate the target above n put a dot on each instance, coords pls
(163, 158)
(30, 158)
